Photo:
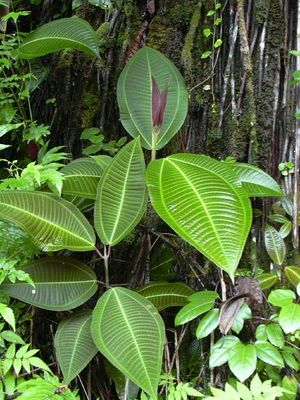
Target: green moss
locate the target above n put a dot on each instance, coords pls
(90, 108)
(159, 33)
(186, 55)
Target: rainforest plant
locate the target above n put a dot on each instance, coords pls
(204, 201)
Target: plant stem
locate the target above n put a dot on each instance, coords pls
(107, 250)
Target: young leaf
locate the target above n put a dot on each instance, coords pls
(289, 318)
(268, 354)
(61, 283)
(208, 323)
(275, 335)
(121, 194)
(129, 332)
(53, 223)
(293, 274)
(266, 281)
(255, 181)
(74, 345)
(136, 98)
(200, 303)
(197, 197)
(220, 351)
(75, 33)
(164, 295)
(242, 360)
(281, 297)
(274, 245)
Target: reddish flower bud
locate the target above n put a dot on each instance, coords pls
(159, 101)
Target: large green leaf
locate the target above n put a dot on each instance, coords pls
(74, 345)
(208, 323)
(129, 331)
(121, 194)
(164, 295)
(203, 203)
(256, 182)
(75, 33)
(81, 178)
(135, 97)
(242, 360)
(274, 245)
(61, 283)
(52, 222)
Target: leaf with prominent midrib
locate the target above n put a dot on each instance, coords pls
(130, 333)
(274, 245)
(242, 360)
(164, 294)
(135, 97)
(81, 178)
(197, 197)
(64, 33)
(52, 222)
(121, 194)
(74, 345)
(61, 283)
(255, 181)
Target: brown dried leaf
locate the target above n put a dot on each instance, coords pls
(228, 313)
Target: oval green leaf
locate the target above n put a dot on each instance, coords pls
(135, 97)
(64, 33)
(267, 280)
(242, 360)
(208, 323)
(256, 182)
(197, 197)
(275, 335)
(164, 294)
(199, 303)
(121, 194)
(81, 178)
(52, 222)
(293, 274)
(289, 318)
(219, 354)
(129, 332)
(74, 345)
(61, 283)
(269, 354)
(281, 297)
(274, 245)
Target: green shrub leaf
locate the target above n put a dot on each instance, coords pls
(242, 360)
(289, 318)
(135, 91)
(52, 222)
(269, 354)
(129, 332)
(121, 194)
(196, 196)
(208, 323)
(61, 283)
(164, 294)
(281, 297)
(74, 345)
(274, 245)
(64, 33)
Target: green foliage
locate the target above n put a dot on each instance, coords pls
(136, 97)
(95, 136)
(128, 330)
(121, 195)
(64, 33)
(218, 209)
(164, 295)
(74, 344)
(53, 223)
(258, 391)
